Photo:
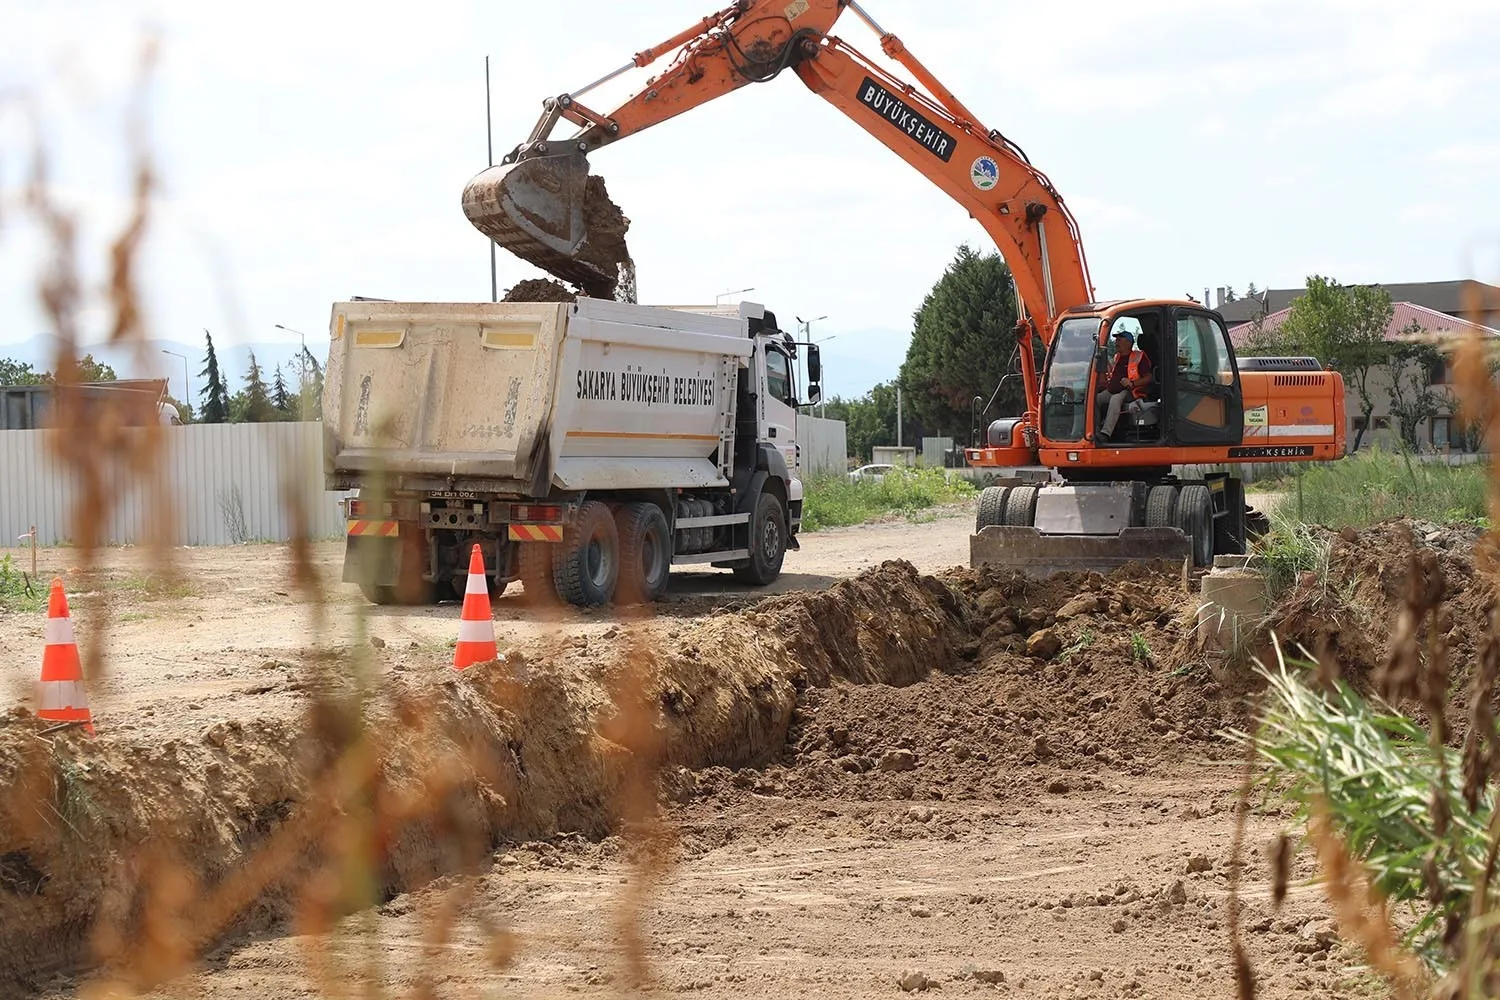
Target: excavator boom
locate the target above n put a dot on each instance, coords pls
(538, 202)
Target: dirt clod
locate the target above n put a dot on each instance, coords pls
(539, 290)
(914, 981)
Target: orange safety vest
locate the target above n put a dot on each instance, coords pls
(1133, 372)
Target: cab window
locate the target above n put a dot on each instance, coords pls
(1202, 352)
(779, 377)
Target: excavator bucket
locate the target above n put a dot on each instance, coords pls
(1031, 553)
(535, 209)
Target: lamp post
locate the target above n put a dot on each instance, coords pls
(738, 291)
(187, 387)
(301, 358)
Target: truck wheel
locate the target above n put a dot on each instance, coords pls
(1020, 507)
(767, 542)
(588, 564)
(1195, 518)
(645, 552)
(535, 570)
(1161, 507)
(991, 507)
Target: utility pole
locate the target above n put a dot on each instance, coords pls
(898, 414)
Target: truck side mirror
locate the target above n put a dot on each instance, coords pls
(814, 365)
(814, 392)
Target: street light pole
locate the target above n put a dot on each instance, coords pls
(738, 291)
(187, 387)
(301, 358)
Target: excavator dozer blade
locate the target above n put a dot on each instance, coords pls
(1029, 552)
(535, 209)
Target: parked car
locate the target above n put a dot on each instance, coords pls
(874, 473)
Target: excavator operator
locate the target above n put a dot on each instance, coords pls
(1129, 378)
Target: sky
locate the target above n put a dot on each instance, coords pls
(316, 150)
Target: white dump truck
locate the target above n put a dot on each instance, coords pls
(587, 447)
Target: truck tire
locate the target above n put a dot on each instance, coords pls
(588, 562)
(1161, 507)
(1020, 507)
(767, 543)
(645, 552)
(534, 568)
(991, 507)
(1195, 518)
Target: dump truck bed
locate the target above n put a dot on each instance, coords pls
(529, 398)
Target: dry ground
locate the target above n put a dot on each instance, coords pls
(1002, 824)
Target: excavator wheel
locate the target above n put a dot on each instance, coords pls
(991, 507)
(1195, 518)
(1020, 507)
(1161, 507)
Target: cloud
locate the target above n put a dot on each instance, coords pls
(1466, 154)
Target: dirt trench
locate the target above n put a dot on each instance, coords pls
(970, 685)
(101, 840)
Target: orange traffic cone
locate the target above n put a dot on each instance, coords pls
(60, 694)
(476, 629)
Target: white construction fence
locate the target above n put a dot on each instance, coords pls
(825, 446)
(219, 484)
(225, 484)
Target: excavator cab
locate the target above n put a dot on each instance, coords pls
(1194, 397)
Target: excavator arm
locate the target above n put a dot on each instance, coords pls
(537, 201)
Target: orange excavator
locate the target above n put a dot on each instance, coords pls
(1128, 390)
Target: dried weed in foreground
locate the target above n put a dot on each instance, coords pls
(1361, 910)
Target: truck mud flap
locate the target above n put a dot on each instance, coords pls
(1028, 551)
(372, 560)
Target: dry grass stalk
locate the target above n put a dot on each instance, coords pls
(1362, 913)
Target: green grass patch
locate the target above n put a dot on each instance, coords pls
(153, 585)
(16, 593)
(1372, 486)
(834, 501)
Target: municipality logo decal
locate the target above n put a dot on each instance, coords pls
(985, 173)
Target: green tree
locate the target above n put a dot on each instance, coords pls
(280, 397)
(869, 420)
(311, 393)
(962, 344)
(215, 393)
(86, 369)
(252, 404)
(13, 372)
(1342, 326)
(1408, 369)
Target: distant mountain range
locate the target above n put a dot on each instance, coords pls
(234, 360)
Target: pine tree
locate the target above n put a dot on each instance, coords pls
(256, 403)
(280, 398)
(215, 394)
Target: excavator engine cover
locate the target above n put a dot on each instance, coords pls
(535, 209)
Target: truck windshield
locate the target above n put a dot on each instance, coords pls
(1065, 390)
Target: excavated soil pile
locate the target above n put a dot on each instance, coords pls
(539, 290)
(1062, 682)
(893, 685)
(606, 226)
(507, 750)
(1347, 616)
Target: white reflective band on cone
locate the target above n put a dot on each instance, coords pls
(476, 585)
(61, 694)
(476, 631)
(58, 631)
